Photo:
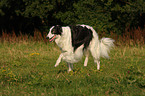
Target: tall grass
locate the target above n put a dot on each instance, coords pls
(15, 38)
(131, 37)
(134, 37)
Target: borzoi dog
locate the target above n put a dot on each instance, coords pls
(74, 41)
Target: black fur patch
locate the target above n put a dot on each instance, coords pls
(57, 30)
(80, 35)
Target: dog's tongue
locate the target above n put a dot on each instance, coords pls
(52, 38)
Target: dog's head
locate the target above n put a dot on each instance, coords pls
(54, 32)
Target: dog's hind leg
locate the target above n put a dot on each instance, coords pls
(58, 60)
(86, 61)
(95, 51)
(87, 57)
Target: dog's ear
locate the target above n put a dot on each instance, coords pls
(57, 30)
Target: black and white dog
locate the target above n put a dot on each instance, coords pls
(74, 41)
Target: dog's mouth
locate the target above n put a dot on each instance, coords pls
(52, 39)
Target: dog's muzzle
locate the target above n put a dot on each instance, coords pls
(51, 39)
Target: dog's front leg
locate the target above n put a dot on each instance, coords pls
(98, 65)
(70, 67)
(58, 60)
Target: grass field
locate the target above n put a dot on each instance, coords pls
(27, 68)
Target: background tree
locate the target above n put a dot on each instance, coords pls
(106, 15)
(103, 15)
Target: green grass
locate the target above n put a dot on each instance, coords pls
(27, 68)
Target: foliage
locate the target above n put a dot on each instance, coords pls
(103, 15)
(90, 12)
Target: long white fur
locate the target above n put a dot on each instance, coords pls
(105, 45)
(98, 48)
(65, 44)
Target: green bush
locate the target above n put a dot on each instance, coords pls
(103, 15)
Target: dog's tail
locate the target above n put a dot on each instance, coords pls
(105, 45)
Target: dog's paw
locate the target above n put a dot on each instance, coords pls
(56, 65)
(85, 65)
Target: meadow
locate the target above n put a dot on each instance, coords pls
(27, 68)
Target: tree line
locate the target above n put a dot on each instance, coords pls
(104, 15)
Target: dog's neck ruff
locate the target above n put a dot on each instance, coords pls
(64, 40)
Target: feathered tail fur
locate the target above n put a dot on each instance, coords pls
(105, 45)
